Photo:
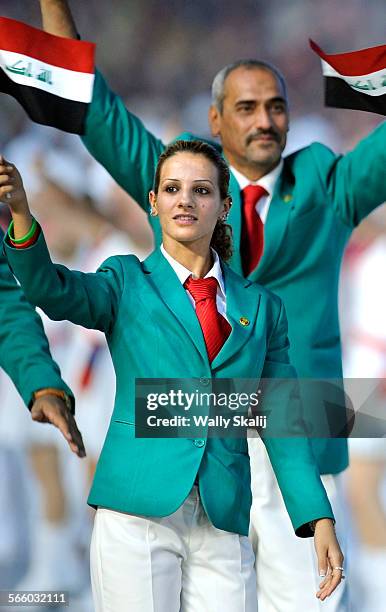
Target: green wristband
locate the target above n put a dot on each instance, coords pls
(27, 236)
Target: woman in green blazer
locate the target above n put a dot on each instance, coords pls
(173, 513)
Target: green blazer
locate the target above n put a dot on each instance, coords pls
(24, 351)
(319, 198)
(153, 332)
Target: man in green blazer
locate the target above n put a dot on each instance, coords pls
(313, 200)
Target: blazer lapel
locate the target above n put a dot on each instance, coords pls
(242, 307)
(277, 220)
(170, 290)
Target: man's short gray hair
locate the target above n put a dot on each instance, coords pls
(218, 85)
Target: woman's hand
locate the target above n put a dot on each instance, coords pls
(11, 187)
(330, 557)
(12, 193)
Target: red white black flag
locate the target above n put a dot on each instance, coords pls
(355, 80)
(50, 76)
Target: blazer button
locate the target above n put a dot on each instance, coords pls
(199, 443)
(204, 381)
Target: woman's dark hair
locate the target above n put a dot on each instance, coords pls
(222, 235)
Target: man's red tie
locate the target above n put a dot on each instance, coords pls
(252, 233)
(215, 327)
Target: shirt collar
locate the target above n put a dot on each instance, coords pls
(267, 181)
(183, 273)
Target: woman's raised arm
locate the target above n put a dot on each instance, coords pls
(90, 300)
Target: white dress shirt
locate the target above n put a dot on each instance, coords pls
(268, 181)
(215, 271)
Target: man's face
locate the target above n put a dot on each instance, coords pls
(253, 123)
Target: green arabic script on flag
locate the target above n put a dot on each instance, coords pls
(25, 69)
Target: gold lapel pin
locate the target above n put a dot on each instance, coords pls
(287, 198)
(244, 321)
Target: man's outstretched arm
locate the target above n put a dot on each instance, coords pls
(354, 182)
(26, 358)
(24, 352)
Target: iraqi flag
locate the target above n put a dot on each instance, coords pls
(355, 80)
(50, 76)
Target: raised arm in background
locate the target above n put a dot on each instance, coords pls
(114, 136)
(57, 18)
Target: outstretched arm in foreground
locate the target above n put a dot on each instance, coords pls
(26, 358)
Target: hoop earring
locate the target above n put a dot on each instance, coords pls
(153, 212)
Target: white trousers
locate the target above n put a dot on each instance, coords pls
(286, 566)
(178, 563)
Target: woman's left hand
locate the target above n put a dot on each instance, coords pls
(11, 188)
(330, 557)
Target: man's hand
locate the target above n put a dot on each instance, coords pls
(52, 409)
(57, 18)
(330, 557)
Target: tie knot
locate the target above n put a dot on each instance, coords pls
(252, 194)
(201, 288)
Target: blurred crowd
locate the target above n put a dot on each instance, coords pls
(161, 57)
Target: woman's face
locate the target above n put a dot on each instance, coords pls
(188, 201)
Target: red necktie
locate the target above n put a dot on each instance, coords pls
(215, 327)
(252, 233)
